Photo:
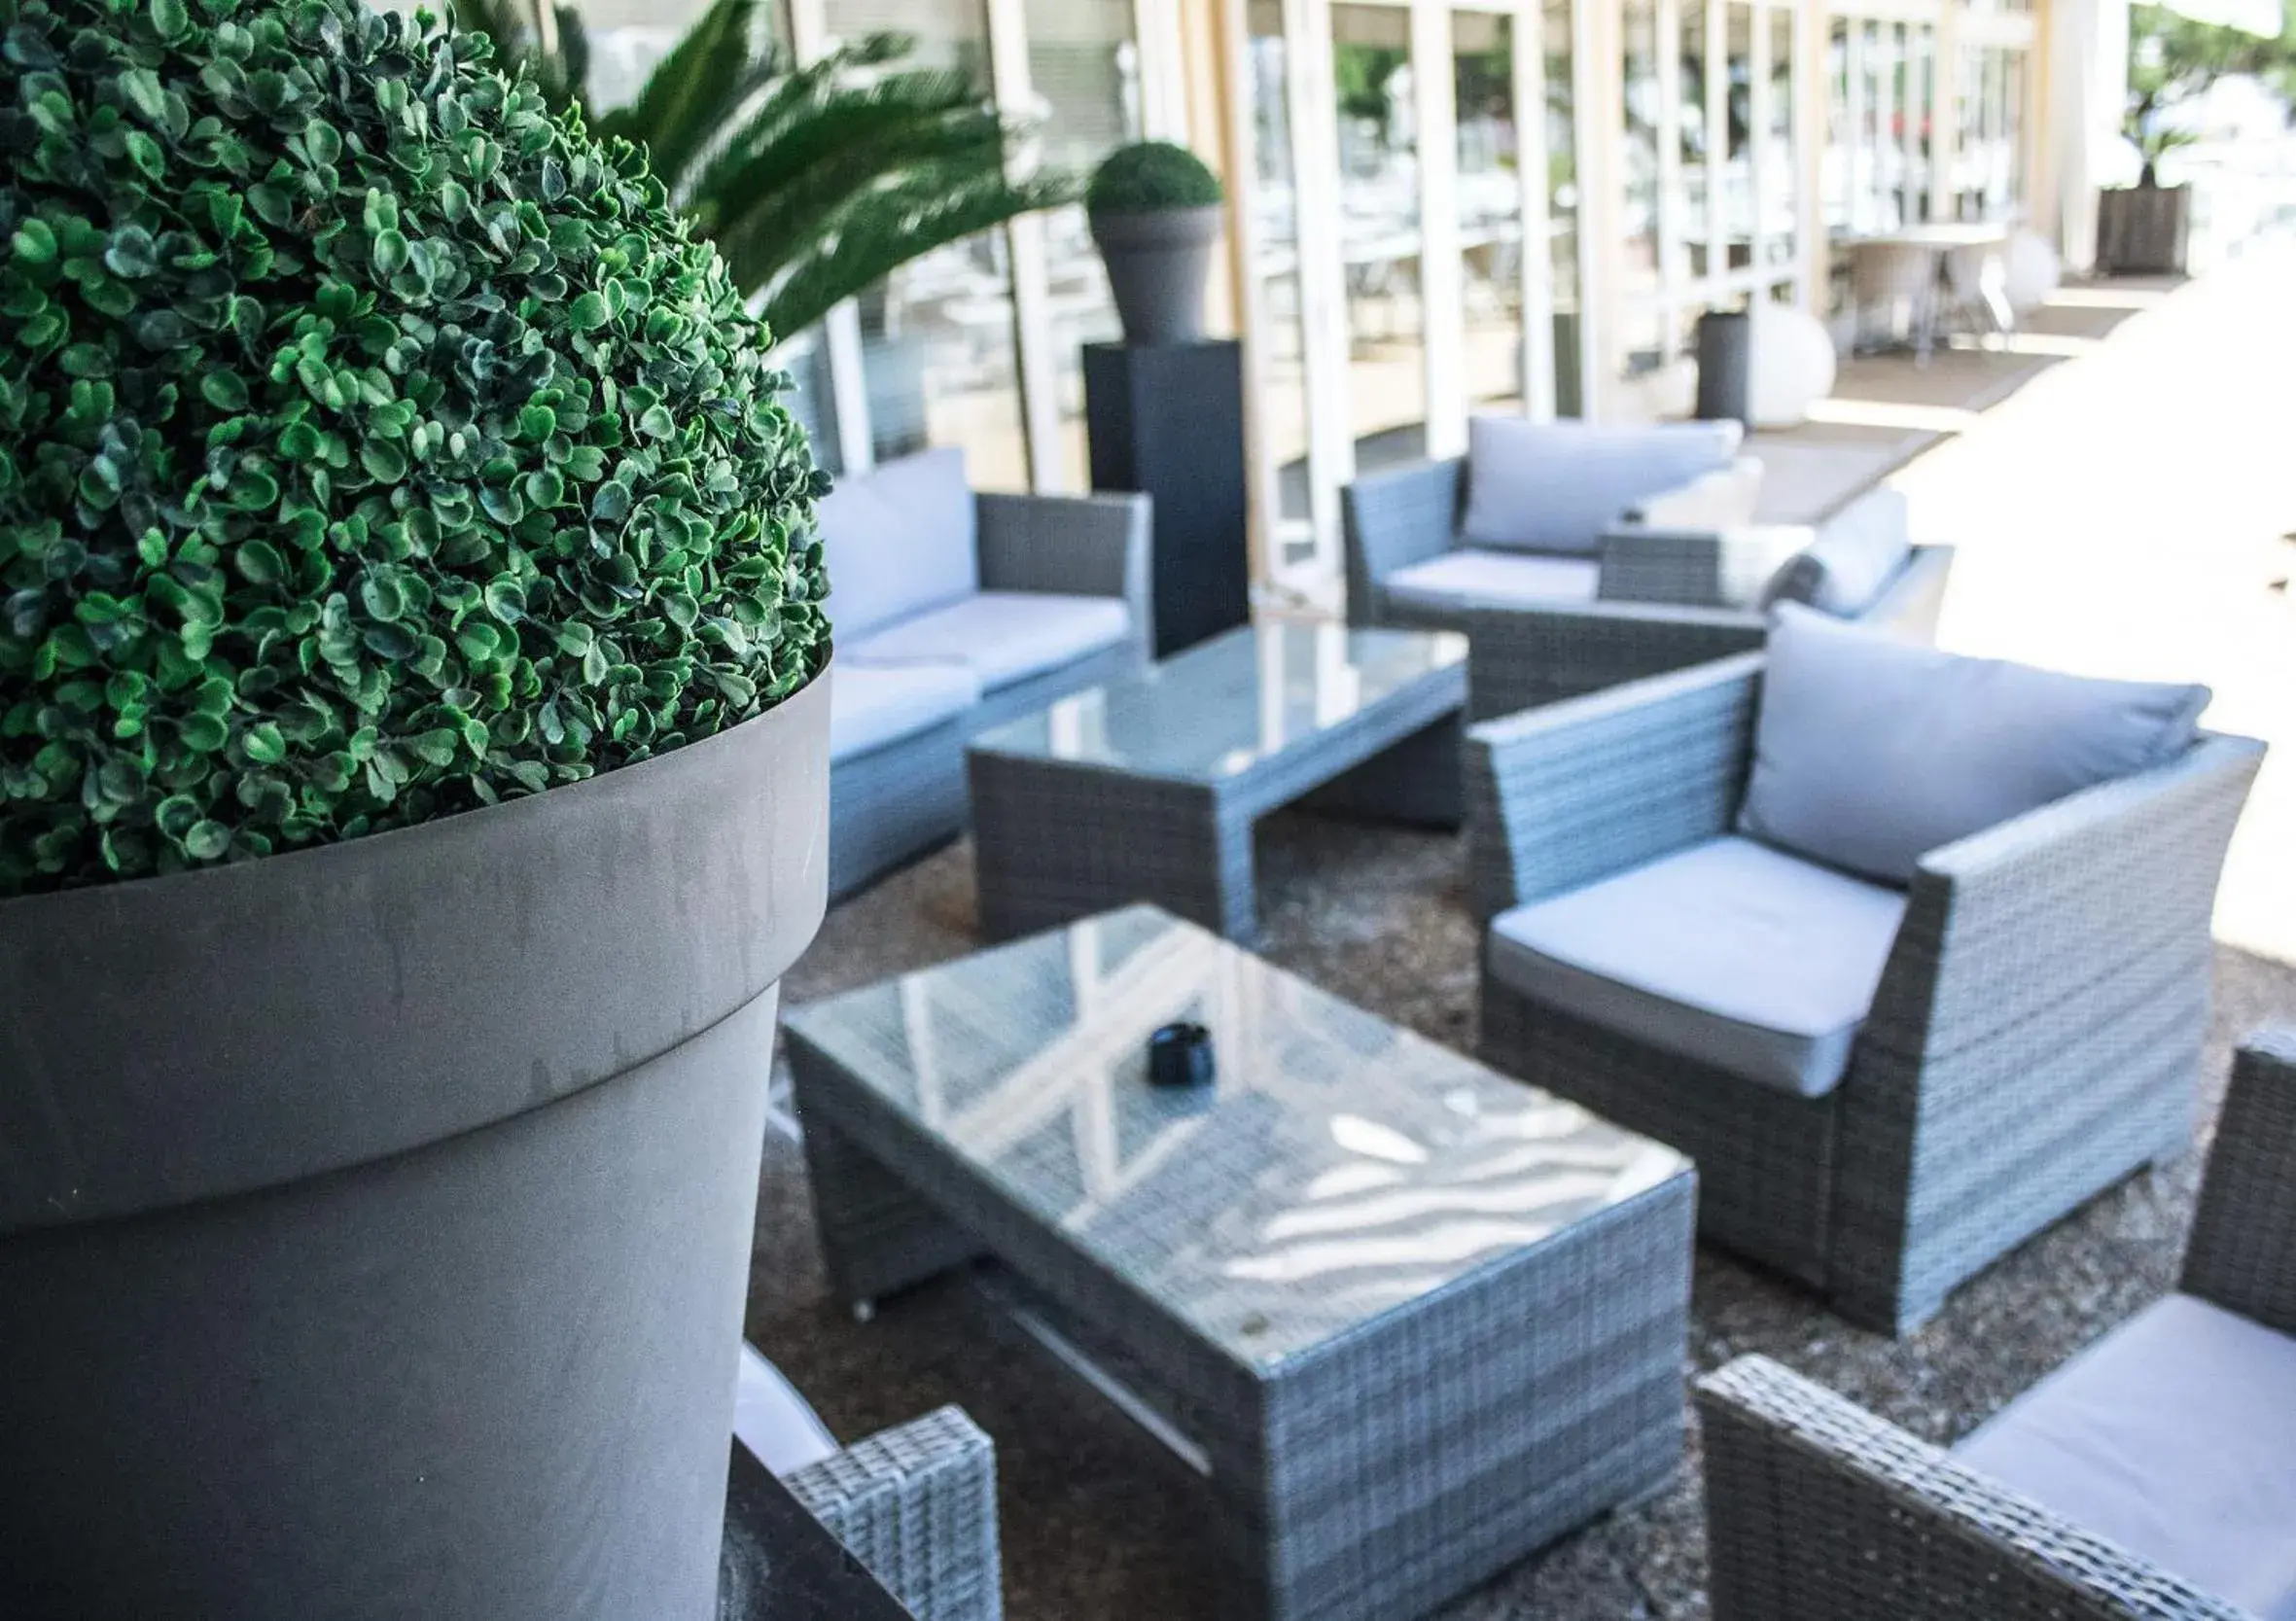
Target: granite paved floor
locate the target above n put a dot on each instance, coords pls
(1377, 915)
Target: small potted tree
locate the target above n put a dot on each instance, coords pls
(413, 760)
(1154, 210)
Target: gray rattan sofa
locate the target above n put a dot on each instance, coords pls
(916, 1504)
(1645, 600)
(2152, 1477)
(2036, 1030)
(955, 611)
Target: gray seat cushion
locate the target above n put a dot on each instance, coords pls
(2174, 1437)
(1002, 636)
(874, 705)
(1869, 751)
(1555, 486)
(899, 539)
(778, 1426)
(1856, 554)
(1473, 579)
(1728, 953)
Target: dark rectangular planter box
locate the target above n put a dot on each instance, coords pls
(2141, 230)
(1168, 420)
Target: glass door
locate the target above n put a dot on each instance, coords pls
(1381, 243)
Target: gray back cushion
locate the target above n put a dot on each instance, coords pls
(1869, 751)
(1858, 554)
(899, 539)
(1556, 486)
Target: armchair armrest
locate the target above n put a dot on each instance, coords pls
(1819, 1511)
(917, 1505)
(1909, 606)
(1700, 568)
(2034, 1034)
(1520, 658)
(1094, 546)
(2242, 1254)
(1559, 797)
(1394, 519)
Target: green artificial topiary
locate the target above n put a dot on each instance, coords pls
(373, 446)
(1149, 177)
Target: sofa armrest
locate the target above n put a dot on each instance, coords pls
(1816, 1510)
(2036, 1031)
(1520, 658)
(917, 1505)
(1093, 546)
(1561, 795)
(1909, 606)
(2242, 1254)
(1695, 568)
(1392, 520)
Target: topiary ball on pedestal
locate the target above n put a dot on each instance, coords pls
(372, 444)
(1154, 211)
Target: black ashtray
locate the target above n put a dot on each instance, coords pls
(1180, 1055)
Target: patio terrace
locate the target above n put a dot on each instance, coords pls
(2117, 484)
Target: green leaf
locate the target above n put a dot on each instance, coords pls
(389, 252)
(170, 20)
(588, 313)
(206, 841)
(33, 243)
(263, 743)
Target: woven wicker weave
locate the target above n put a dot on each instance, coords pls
(1819, 1511)
(917, 1505)
(2036, 1036)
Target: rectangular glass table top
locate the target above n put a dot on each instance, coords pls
(1223, 706)
(1335, 1168)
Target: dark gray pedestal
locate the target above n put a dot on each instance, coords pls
(1168, 420)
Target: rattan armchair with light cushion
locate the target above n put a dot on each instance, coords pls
(954, 612)
(2034, 1037)
(1669, 599)
(915, 1504)
(2152, 1477)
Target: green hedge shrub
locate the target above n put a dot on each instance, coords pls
(1149, 177)
(372, 446)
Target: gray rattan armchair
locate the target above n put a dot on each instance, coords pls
(2036, 1030)
(914, 1505)
(1819, 1511)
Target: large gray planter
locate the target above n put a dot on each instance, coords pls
(1156, 264)
(375, 1221)
(2141, 230)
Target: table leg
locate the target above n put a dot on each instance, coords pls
(1415, 781)
(877, 1236)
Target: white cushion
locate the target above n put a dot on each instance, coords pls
(1869, 751)
(1728, 953)
(1853, 560)
(778, 1426)
(872, 705)
(898, 540)
(2174, 1437)
(1473, 579)
(1555, 486)
(1004, 636)
(1723, 499)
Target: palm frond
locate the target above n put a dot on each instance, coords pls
(697, 92)
(517, 44)
(891, 226)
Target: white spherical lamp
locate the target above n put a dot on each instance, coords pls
(1793, 365)
(2033, 270)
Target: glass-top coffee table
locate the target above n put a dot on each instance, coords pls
(1146, 789)
(1414, 1319)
